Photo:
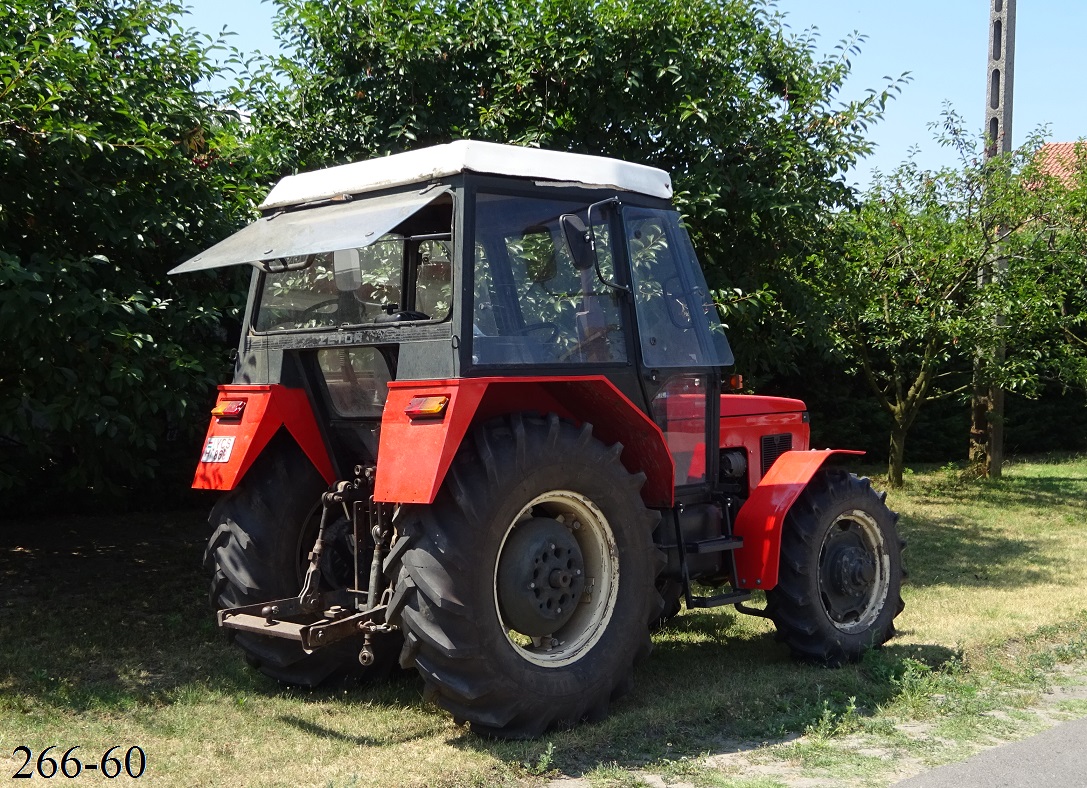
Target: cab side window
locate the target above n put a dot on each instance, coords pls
(678, 322)
(533, 305)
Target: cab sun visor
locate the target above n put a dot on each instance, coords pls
(312, 230)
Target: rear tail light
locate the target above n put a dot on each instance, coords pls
(426, 407)
(229, 409)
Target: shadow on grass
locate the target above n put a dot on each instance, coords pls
(111, 613)
(1030, 492)
(714, 684)
(958, 550)
(358, 740)
(960, 545)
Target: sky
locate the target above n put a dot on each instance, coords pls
(942, 43)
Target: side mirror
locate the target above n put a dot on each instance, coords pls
(577, 238)
(347, 267)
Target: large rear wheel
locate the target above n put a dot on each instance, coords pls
(526, 590)
(838, 589)
(263, 531)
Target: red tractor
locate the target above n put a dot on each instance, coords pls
(477, 426)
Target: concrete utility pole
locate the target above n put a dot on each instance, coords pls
(987, 403)
(1001, 81)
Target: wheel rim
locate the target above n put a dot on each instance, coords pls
(552, 539)
(854, 572)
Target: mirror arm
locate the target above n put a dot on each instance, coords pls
(278, 265)
(590, 236)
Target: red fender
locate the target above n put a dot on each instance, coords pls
(760, 519)
(414, 454)
(233, 443)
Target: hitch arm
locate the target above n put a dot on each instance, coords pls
(318, 618)
(270, 618)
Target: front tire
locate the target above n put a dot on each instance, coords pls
(840, 578)
(526, 590)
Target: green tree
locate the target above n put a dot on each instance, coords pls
(742, 114)
(114, 165)
(905, 300)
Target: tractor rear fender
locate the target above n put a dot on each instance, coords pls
(236, 438)
(415, 450)
(761, 517)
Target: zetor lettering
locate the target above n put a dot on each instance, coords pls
(481, 426)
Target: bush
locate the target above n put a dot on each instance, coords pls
(116, 167)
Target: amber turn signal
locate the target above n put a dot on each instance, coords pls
(229, 409)
(426, 407)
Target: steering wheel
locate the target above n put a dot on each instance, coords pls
(401, 315)
(311, 311)
(545, 324)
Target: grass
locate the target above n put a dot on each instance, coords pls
(105, 639)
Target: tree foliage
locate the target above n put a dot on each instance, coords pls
(937, 270)
(114, 166)
(742, 114)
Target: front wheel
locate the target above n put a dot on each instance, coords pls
(526, 590)
(839, 584)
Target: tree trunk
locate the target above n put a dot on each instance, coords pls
(979, 432)
(979, 429)
(986, 429)
(897, 458)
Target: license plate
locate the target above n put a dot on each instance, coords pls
(218, 449)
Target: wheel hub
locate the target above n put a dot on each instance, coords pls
(560, 578)
(853, 571)
(849, 574)
(541, 577)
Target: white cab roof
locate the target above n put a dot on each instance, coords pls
(427, 164)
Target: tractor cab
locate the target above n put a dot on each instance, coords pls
(474, 260)
(478, 426)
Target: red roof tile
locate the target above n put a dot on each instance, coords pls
(1059, 160)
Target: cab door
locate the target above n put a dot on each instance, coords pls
(681, 341)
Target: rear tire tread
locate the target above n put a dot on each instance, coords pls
(444, 641)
